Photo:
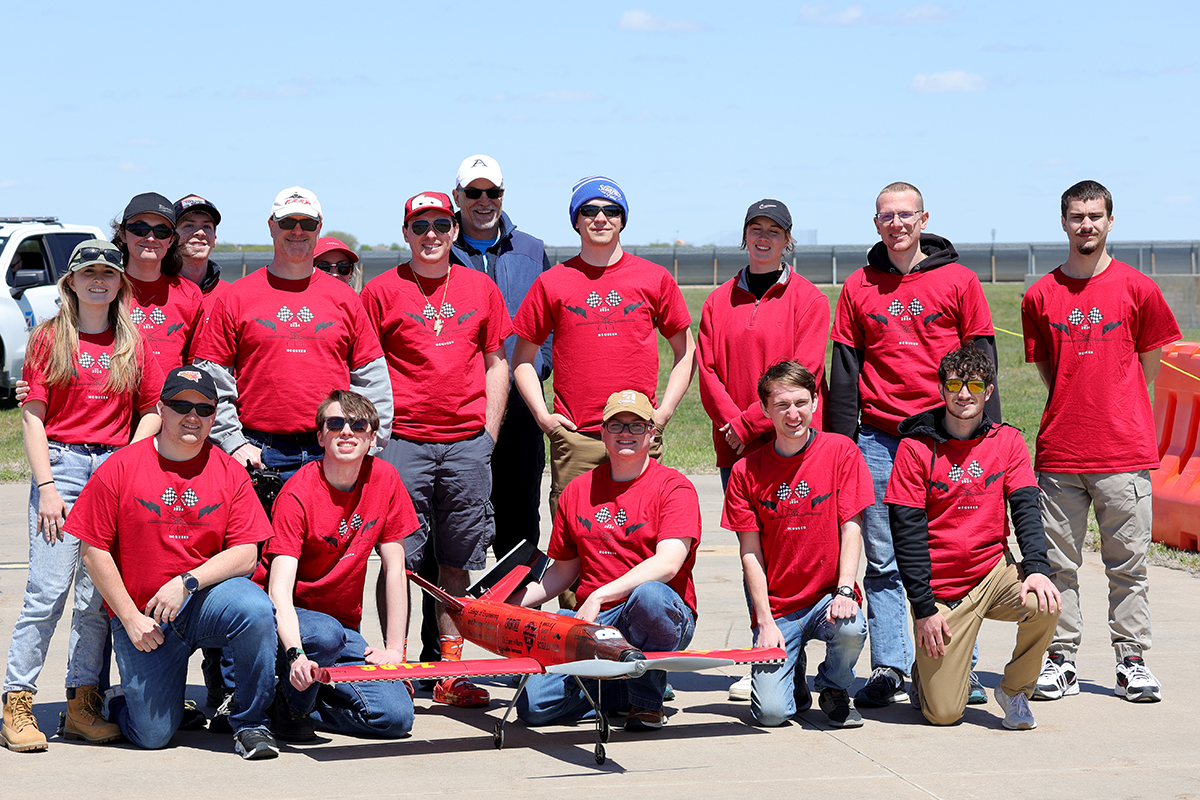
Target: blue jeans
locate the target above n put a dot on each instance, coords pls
(53, 570)
(234, 613)
(773, 686)
(285, 457)
(653, 618)
(887, 613)
(358, 708)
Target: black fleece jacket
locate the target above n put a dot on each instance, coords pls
(844, 399)
(910, 526)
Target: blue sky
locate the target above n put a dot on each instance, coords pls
(697, 109)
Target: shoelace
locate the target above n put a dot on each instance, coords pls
(22, 712)
(1137, 672)
(1022, 704)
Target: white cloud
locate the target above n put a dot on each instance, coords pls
(1176, 199)
(638, 21)
(143, 141)
(562, 96)
(130, 167)
(856, 14)
(943, 82)
(281, 92)
(7, 183)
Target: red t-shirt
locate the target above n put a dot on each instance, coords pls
(798, 504)
(613, 526)
(331, 533)
(1091, 331)
(438, 382)
(963, 494)
(161, 518)
(903, 325)
(740, 337)
(603, 320)
(168, 313)
(85, 411)
(290, 343)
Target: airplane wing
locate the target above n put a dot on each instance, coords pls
(749, 655)
(420, 670)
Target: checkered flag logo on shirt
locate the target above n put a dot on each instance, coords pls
(895, 308)
(158, 316)
(342, 528)
(169, 497)
(86, 361)
(284, 314)
(593, 300)
(105, 360)
(955, 473)
(802, 488)
(620, 518)
(1094, 316)
(1075, 317)
(305, 314)
(783, 492)
(189, 498)
(915, 307)
(603, 516)
(356, 522)
(974, 470)
(613, 298)
(447, 311)
(138, 316)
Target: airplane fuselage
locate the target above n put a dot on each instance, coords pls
(512, 631)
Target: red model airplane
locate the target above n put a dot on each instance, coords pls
(533, 642)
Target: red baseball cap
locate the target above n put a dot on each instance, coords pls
(427, 201)
(327, 244)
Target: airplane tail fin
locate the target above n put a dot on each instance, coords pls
(437, 593)
(522, 564)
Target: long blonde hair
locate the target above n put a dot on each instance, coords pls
(58, 340)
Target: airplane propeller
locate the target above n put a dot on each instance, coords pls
(688, 663)
(599, 668)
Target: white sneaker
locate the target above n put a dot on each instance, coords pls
(741, 689)
(1136, 683)
(1058, 679)
(1017, 716)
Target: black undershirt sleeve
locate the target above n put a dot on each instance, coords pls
(910, 538)
(1030, 533)
(843, 390)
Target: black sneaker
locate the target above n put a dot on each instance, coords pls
(220, 718)
(837, 706)
(193, 718)
(289, 726)
(884, 687)
(255, 744)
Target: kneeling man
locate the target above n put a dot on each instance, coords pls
(171, 528)
(953, 473)
(797, 510)
(628, 531)
(328, 518)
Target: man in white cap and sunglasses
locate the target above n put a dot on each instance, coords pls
(288, 331)
(442, 328)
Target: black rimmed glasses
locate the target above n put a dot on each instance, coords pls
(183, 408)
(904, 216)
(343, 268)
(306, 223)
(142, 230)
(636, 428)
(336, 424)
(610, 212)
(495, 193)
(93, 253)
(420, 227)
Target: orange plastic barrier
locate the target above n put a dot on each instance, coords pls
(1176, 418)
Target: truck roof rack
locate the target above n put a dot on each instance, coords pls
(51, 220)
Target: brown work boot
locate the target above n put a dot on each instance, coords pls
(84, 718)
(20, 731)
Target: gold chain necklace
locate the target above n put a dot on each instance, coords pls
(446, 311)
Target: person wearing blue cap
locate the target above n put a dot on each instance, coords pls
(603, 307)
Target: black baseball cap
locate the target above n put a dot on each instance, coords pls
(194, 202)
(772, 210)
(188, 378)
(149, 203)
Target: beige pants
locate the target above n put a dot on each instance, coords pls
(573, 453)
(941, 683)
(1123, 510)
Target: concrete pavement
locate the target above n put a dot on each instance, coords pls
(1093, 745)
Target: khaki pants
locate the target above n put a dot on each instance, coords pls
(1123, 510)
(941, 683)
(573, 453)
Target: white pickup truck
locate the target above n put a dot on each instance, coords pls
(33, 254)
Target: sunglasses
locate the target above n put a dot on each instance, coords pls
(342, 268)
(306, 223)
(421, 226)
(92, 253)
(495, 193)
(142, 230)
(609, 211)
(636, 428)
(336, 424)
(181, 407)
(954, 386)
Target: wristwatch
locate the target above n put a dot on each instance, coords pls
(190, 583)
(293, 653)
(847, 591)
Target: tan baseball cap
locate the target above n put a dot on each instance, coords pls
(628, 400)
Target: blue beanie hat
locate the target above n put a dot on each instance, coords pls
(596, 187)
